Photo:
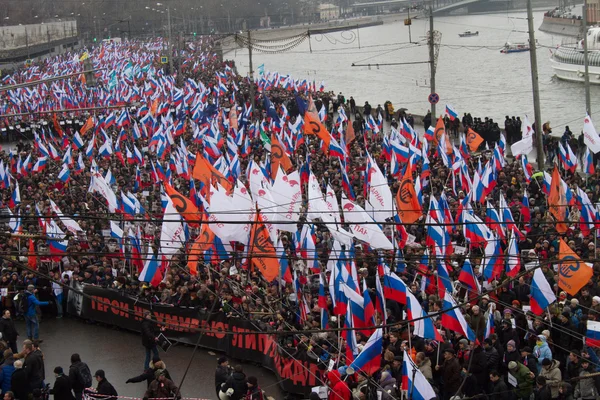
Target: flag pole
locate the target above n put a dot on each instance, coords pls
(412, 384)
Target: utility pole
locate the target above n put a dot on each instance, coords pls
(536, 88)
(251, 71)
(170, 43)
(432, 63)
(588, 108)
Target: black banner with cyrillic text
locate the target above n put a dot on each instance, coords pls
(232, 336)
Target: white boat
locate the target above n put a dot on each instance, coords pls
(468, 34)
(567, 60)
(515, 48)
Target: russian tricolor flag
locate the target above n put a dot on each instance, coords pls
(467, 277)
(453, 319)
(423, 324)
(588, 162)
(150, 269)
(513, 258)
(593, 334)
(452, 113)
(64, 174)
(380, 297)
(15, 197)
(414, 382)
(394, 288)
(541, 293)
(444, 281)
(369, 359)
(489, 326)
(77, 140)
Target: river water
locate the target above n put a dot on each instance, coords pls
(472, 75)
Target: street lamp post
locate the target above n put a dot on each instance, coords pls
(169, 43)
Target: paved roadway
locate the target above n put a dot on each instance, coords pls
(121, 355)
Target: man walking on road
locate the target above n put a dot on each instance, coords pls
(150, 334)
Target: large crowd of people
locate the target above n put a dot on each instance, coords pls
(206, 111)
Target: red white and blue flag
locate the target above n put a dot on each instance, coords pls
(453, 319)
(542, 294)
(592, 335)
(489, 326)
(369, 359)
(414, 382)
(452, 113)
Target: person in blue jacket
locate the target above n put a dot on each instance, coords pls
(6, 370)
(31, 317)
(542, 351)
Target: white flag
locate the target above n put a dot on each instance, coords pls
(172, 236)
(590, 136)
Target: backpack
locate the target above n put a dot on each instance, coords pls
(22, 303)
(84, 376)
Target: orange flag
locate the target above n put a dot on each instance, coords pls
(312, 126)
(350, 135)
(204, 240)
(573, 274)
(473, 139)
(56, 124)
(278, 157)
(154, 107)
(89, 124)
(557, 201)
(409, 208)
(31, 257)
(207, 173)
(262, 251)
(184, 206)
(439, 133)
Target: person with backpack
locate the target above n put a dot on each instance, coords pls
(79, 375)
(28, 304)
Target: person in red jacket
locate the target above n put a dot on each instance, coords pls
(338, 389)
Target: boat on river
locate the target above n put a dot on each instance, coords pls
(468, 34)
(515, 48)
(567, 60)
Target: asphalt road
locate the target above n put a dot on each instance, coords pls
(121, 355)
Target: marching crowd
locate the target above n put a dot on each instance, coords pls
(528, 356)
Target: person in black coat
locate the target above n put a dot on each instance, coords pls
(80, 376)
(478, 367)
(9, 331)
(530, 361)
(542, 391)
(149, 374)
(62, 386)
(237, 385)
(104, 387)
(149, 338)
(497, 389)
(33, 366)
(222, 373)
(18, 382)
